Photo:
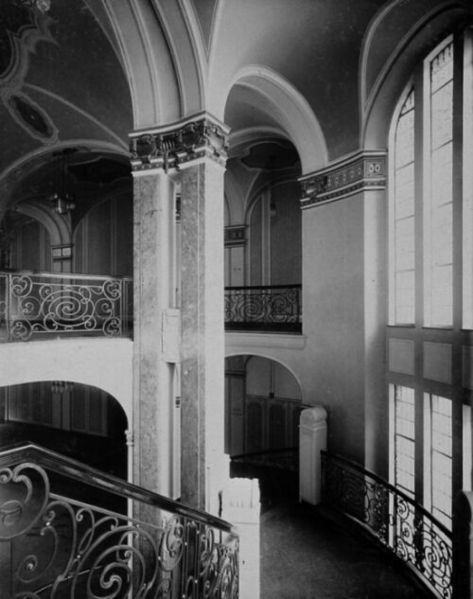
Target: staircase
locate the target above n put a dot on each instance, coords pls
(70, 531)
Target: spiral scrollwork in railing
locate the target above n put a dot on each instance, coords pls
(393, 517)
(41, 304)
(61, 547)
(272, 307)
(24, 494)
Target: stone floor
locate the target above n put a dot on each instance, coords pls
(306, 555)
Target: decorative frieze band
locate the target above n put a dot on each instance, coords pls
(173, 145)
(363, 170)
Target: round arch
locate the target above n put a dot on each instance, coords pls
(76, 420)
(166, 77)
(32, 161)
(268, 356)
(262, 410)
(290, 109)
(56, 226)
(102, 363)
(379, 93)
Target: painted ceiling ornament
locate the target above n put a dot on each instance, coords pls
(23, 23)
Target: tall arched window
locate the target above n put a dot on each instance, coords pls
(430, 357)
(402, 215)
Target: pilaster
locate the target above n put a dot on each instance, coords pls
(344, 245)
(152, 373)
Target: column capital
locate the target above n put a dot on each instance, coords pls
(362, 170)
(170, 146)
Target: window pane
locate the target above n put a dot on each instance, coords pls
(468, 183)
(404, 438)
(441, 458)
(402, 227)
(439, 208)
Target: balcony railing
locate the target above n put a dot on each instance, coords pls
(56, 545)
(264, 308)
(41, 305)
(393, 518)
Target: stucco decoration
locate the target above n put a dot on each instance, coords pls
(23, 23)
(29, 115)
(360, 171)
(169, 147)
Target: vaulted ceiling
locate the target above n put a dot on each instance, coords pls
(85, 73)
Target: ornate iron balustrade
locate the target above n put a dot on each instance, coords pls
(270, 308)
(39, 305)
(395, 519)
(286, 458)
(56, 546)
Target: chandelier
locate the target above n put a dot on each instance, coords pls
(62, 199)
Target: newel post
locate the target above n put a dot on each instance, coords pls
(462, 568)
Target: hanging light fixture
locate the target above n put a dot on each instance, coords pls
(63, 198)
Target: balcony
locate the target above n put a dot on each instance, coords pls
(52, 305)
(269, 308)
(49, 305)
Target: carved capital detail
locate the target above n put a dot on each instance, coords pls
(361, 171)
(172, 146)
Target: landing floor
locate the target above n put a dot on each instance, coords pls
(306, 556)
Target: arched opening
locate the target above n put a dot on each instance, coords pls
(263, 402)
(73, 419)
(25, 243)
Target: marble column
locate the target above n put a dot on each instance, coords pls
(152, 370)
(194, 153)
(202, 350)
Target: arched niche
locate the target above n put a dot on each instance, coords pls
(263, 400)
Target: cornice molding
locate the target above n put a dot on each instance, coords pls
(358, 172)
(174, 145)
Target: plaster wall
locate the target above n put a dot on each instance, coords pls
(332, 370)
(102, 363)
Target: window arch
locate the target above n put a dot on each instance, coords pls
(423, 142)
(430, 219)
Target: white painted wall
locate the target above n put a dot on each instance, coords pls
(103, 363)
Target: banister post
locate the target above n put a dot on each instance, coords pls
(241, 507)
(462, 568)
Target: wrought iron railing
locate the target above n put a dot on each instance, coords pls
(39, 305)
(270, 308)
(395, 519)
(285, 458)
(53, 545)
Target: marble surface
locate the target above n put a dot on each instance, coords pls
(202, 332)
